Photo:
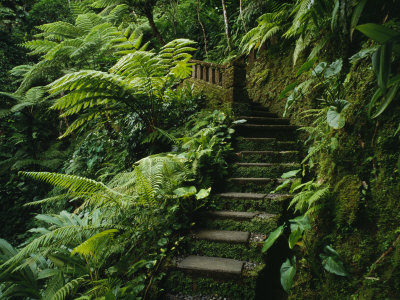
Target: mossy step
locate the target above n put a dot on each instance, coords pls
(270, 203)
(240, 251)
(265, 120)
(262, 169)
(243, 288)
(223, 236)
(263, 144)
(259, 185)
(212, 266)
(260, 223)
(262, 113)
(235, 215)
(283, 132)
(269, 156)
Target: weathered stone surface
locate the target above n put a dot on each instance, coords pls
(255, 196)
(211, 265)
(237, 215)
(225, 236)
(266, 120)
(256, 180)
(267, 164)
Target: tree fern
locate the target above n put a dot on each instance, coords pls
(69, 288)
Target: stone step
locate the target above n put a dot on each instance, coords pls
(213, 266)
(272, 170)
(283, 132)
(265, 120)
(235, 215)
(262, 113)
(238, 201)
(252, 222)
(256, 184)
(223, 236)
(269, 156)
(263, 144)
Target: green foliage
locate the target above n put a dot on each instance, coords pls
(332, 263)
(136, 83)
(288, 270)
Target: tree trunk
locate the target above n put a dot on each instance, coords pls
(241, 15)
(202, 27)
(153, 26)
(228, 39)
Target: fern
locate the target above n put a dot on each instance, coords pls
(68, 288)
(90, 247)
(307, 201)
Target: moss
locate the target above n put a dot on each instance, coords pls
(348, 199)
(273, 171)
(178, 282)
(245, 145)
(273, 206)
(257, 225)
(251, 253)
(272, 157)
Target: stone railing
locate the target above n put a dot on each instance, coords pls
(208, 72)
(225, 82)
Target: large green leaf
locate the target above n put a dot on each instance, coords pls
(385, 65)
(203, 193)
(294, 237)
(335, 116)
(356, 16)
(332, 262)
(288, 270)
(273, 236)
(334, 68)
(186, 191)
(306, 66)
(378, 33)
(301, 222)
(388, 99)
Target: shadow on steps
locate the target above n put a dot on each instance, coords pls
(268, 282)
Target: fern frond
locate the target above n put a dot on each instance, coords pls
(86, 22)
(59, 31)
(69, 288)
(40, 46)
(89, 247)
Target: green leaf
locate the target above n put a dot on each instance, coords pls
(306, 66)
(332, 262)
(335, 116)
(294, 237)
(378, 33)
(335, 119)
(319, 69)
(301, 222)
(388, 99)
(288, 270)
(356, 16)
(287, 89)
(334, 68)
(162, 242)
(273, 236)
(203, 193)
(290, 174)
(186, 191)
(385, 66)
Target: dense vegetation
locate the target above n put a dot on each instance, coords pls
(106, 153)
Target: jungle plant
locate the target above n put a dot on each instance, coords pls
(89, 43)
(330, 259)
(269, 25)
(388, 83)
(137, 83)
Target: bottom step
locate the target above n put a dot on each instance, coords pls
(216, 266)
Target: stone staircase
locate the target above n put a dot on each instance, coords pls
(223, 258)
